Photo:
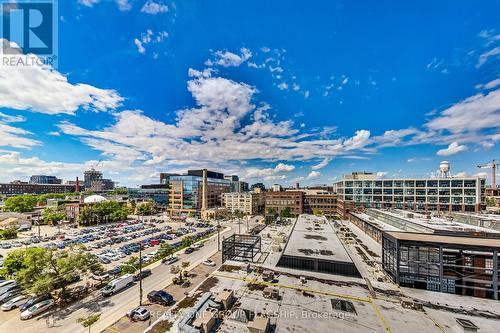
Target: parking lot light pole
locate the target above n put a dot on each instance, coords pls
(140, 273)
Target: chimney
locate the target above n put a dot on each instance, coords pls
(204, 200)
(77, 187)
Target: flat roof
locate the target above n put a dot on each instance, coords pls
(444, 239)
(320, 242)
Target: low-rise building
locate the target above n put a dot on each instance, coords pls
(250, 203)
(20, 188)
(278, 201)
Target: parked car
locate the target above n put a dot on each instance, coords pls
(13, 303)
(34, 300)
(160, 297)
(139, 313)
(8, 295)
(189, 250)
(209, 262)
(143, 274)
(37, 309)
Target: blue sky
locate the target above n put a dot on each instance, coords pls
(279, 92)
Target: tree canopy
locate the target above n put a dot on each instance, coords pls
(110, 211)
(39, 270)
(53, 215)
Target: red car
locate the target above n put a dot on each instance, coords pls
(154, 242)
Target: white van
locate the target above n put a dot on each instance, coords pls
(118, 284)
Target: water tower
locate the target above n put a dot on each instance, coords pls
(444, 169)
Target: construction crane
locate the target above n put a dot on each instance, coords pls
(96, 165)
(493, 166)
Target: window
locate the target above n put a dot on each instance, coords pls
(488, 265)
(468, 261)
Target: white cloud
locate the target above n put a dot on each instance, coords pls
(45, 90)
(153, 8)
(313, 174)
(484, 57)
(229, 59)
(283, 86)
(381, 174)
(11, 119)
(453, 148)
(16, 137)
(322, 164)
(472, 114)
(282, 167)
(123, 5)
(88, 3)
(490, 85)
(54, 133)
(139, 45)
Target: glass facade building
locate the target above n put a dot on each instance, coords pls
(433, 194)
(186, 193)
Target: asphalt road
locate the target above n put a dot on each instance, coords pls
(114, 307)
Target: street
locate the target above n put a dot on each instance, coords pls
(112, 308)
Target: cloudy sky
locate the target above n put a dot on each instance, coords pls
(279, 91)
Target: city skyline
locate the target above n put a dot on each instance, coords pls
(304, 94)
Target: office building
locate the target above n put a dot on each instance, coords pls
(93, 181)
(320, 202)
(44, 179)
(278, 201)
(195, 191)
(250, 203)
(157, 193)
(466, 194)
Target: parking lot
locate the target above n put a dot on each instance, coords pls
(114, 244)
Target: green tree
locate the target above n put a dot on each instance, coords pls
(130, 266)
(166, 250)
(9, 233)
(40, 270)
(145, 208)
(85, 215)
(20, 203)
(286, 212)
(52, 216)
(90, 320)
(187, 241)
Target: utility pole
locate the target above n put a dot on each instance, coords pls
(140, 273)
(218, 231)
